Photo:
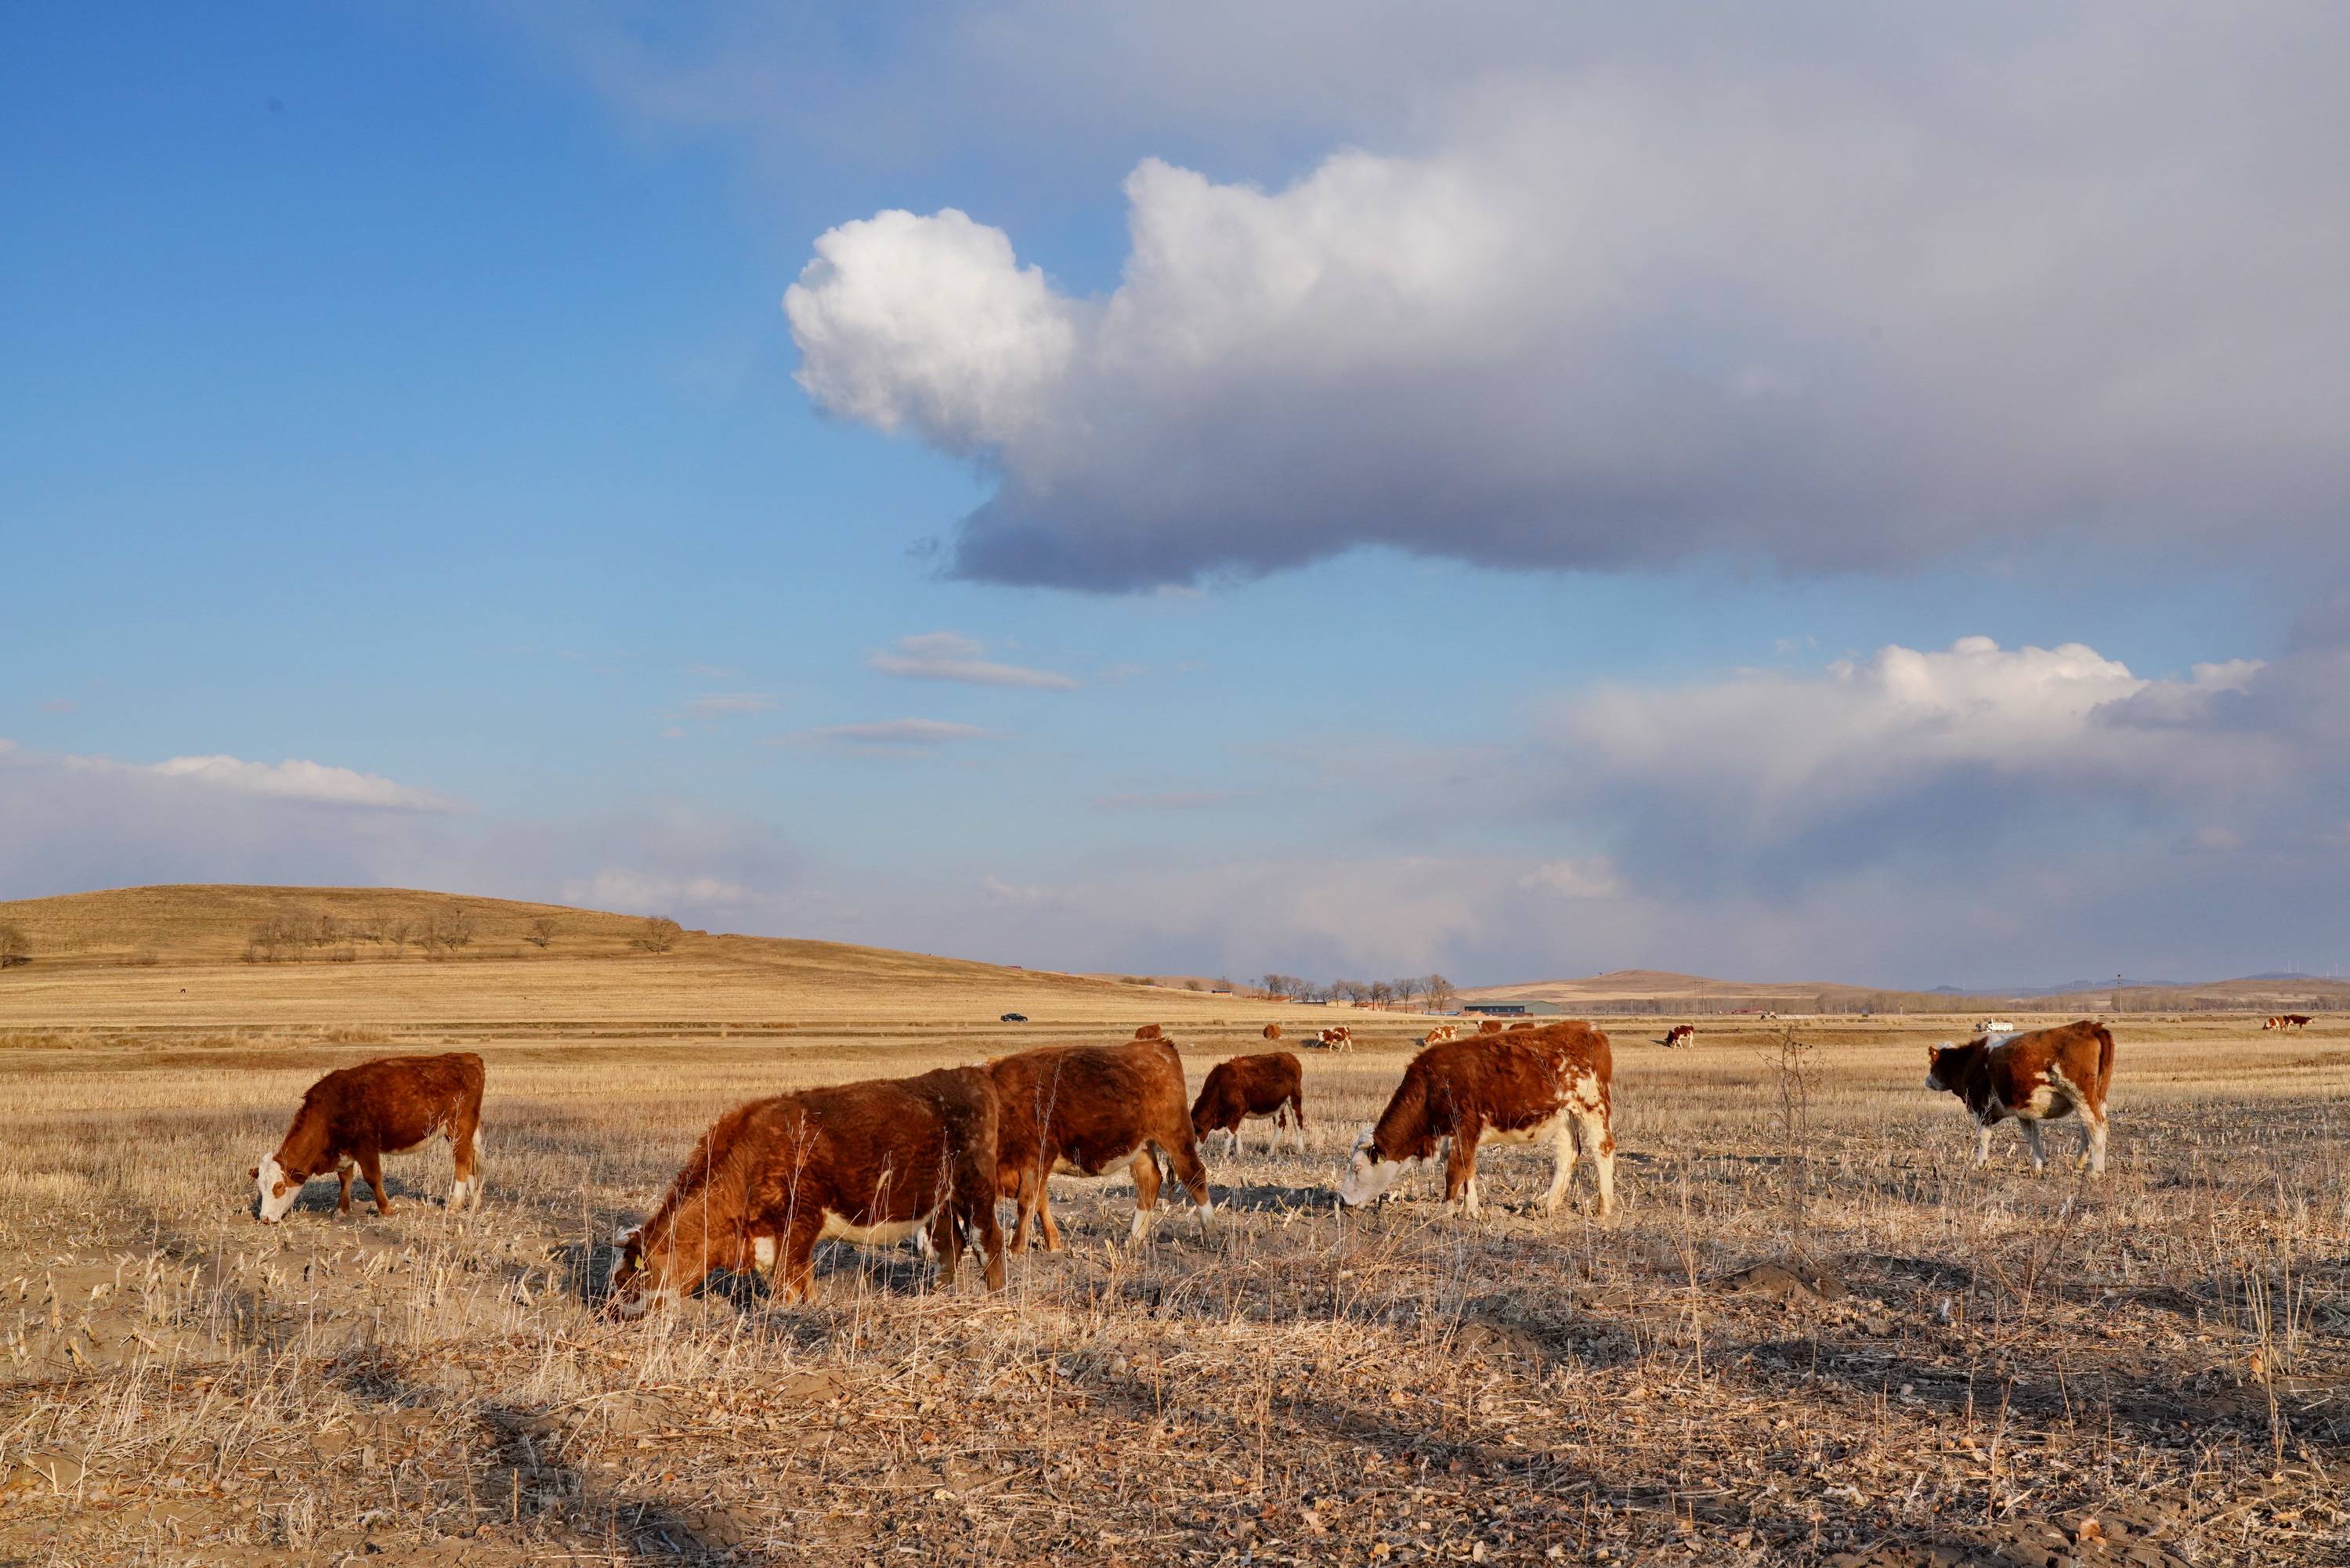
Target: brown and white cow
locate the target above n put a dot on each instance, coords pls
(1489, 1026)
(1679, 1034)
(1150, 1032)
(874, 1162)
(1526, 1088)
(1272, 1085)
(356, 1115)
(1441, 1033)
(1273, 1030)
(1084, 1110)
(2288, 1020)
(1339, 1037)
(2036, 1076)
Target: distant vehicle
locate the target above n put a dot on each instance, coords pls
(1014, 1018)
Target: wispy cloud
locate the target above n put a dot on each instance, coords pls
(891, 733)
(314, 783)
(1169, 800)
(951, 656)
(58, 705)
(725, 704)
(713, 672)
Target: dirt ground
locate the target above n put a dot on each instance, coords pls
(1816, 1333)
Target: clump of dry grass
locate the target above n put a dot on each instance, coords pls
(2149, 1369)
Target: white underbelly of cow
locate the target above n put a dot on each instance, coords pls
(1539, 1132)
(887, 1234)
(1115, 1164)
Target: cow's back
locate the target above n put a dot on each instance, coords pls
(395, 1102)
(1088, 1105)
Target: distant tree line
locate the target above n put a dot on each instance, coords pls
(1432, 992)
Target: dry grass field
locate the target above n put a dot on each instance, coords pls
(1815, 1334)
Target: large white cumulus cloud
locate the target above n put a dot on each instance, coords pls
(1835, 312)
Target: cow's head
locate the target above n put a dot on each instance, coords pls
(274, 1189)
(1370, 1173)
(1946, 1065)
(655, 1263)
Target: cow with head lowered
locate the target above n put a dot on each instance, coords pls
(1547, 1084)
(355, 1115)
(877, 1163)
(1272, 1085)
(2039, 1075)
(1087, 1110)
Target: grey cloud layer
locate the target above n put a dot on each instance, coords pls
(1825, 302)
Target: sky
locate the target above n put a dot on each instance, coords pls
(1808, 491)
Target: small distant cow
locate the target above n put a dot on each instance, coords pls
(1994, 1026)
(2288, 1020)
(356, 1115)
(1489, 1026)
(1273, 1030)
(1679, 1034)
(1272, 1086)
(874, 1162)
(1150, 1032)
(1441, 1033)
(2033, 1077)
(1549, 1084)
(1082, 1110)
(1339, 1037)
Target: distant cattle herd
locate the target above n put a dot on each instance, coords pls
(928, 1158)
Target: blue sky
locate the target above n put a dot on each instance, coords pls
(1356, 493)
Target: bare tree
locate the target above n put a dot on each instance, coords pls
(16, 947)
(657, 935)
(395, 933)
(1439, 994)
(542, 932)
(1382, 992)
(1407, 989)
(456, 931)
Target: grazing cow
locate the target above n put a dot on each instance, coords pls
(1489, 1026)
(872, 1162)
(1272, 1086)
(1523, 1024)
(1273, 1030)
(1995, 1026)
(2033, 1077)
(2288, 1020)
(1338, 1038)
(1150, 1032)
(1081, 1110)
(1441, 1033)
(1679, 1034)
(359, 1115)
(1552, 1084)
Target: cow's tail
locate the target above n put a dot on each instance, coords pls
(2105, 1059)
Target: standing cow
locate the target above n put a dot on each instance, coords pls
(1529, 1086)
(1272, 1085)
(356, 1115)
(2033, 1077)
(1339, 1037)
(1084, 1110)
(1441, 1033)
(1679, 1035)
(874, 1162)
(1273, 1030)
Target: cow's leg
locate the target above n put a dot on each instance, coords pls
(343, 1175)
(1460, 1167)
(1052, 1231)
(1297, 1118)
(975, 1208)
(1566, 1145)
(371, 1167)
(1183, 1159)
(467, 1149)
(796, 1261)
(2032, 1141)
(1145, 1170)
(2093, 1139)
(1982, 1144)
(1024, 1199)
(946, 1242)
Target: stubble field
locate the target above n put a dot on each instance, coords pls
(1816, 1333)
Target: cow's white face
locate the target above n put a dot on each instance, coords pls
(1368, 1174)
(629, 1289)
(274, 1190)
